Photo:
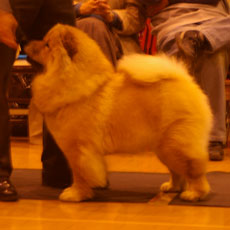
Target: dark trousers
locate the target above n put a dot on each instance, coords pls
(55, 165)
(7, 57)
(35, 18)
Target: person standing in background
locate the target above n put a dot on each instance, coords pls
(32, 19)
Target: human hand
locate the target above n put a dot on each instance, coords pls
(105, 11)
(89, 7)
(8, 29)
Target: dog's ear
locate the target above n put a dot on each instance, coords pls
(69, 43)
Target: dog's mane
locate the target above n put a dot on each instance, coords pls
(56, 92)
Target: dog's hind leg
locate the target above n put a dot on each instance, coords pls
(175, 184)
(187, 159)
(197, 184)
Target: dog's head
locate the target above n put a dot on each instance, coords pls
(74, 67)
(66, 43)
(60, 40)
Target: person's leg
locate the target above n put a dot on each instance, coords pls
(56, 171)
(105, 38)
(211, 72)
(36, 18)
(7, 190)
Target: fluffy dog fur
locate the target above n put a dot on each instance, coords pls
(149, 104)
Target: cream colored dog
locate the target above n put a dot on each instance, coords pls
(149, 104)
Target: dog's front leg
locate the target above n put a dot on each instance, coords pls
(175, 184)
(79, 191)
(89, 171)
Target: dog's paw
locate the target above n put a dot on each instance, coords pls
(72, 194)
(169, 187)
(102, 186)
(192, 196)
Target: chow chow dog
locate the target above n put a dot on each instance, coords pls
(149, 103)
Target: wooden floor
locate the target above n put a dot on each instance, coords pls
(155, 215)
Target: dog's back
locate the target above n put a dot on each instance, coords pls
(157, 95)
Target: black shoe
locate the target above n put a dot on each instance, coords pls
(191, 43)
(56, 180)
(7, 190)
(216, 151)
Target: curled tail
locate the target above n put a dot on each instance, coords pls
(149, 69)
